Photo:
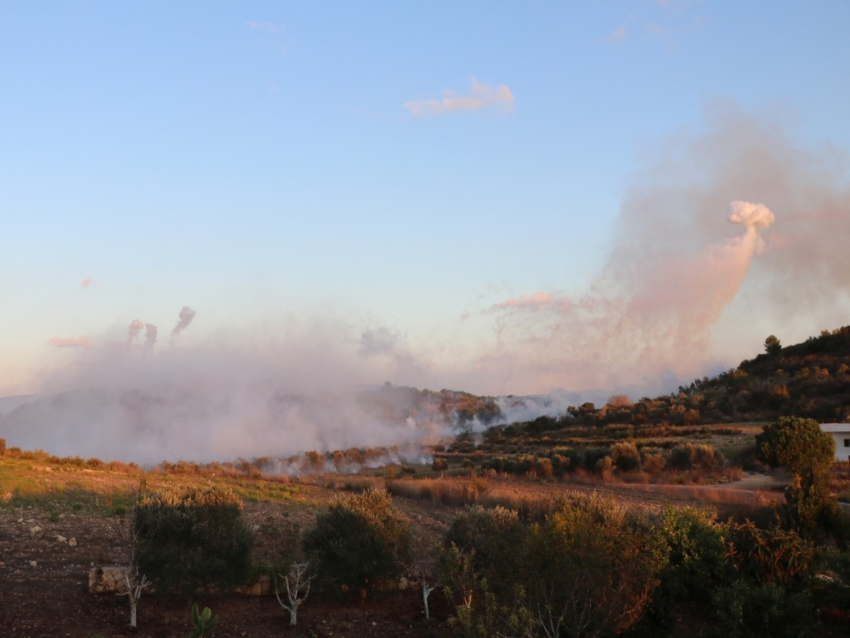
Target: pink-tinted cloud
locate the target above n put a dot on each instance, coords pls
(481, 96)
(617, 35)
(70, 342)
(88, 282)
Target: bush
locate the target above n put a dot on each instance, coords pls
(359, 544)
(196, 539)
(494, 540)
(626, 457)
(595, 566)
(745, 610)
(800, 446)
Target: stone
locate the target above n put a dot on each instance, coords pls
(107, 580)
(72, 542)
(60, 538)
(35, 530)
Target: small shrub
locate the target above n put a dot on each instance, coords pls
(626, 457)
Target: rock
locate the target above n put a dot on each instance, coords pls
(107, 580)
(72, 542)
(403, 583)
(35, 530)
(33, 563)
(60, 538)
(263, 587)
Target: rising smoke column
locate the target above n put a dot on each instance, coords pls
(656, 318)
(186, 317)
(134, 330)
(150, 336)
(668, 301)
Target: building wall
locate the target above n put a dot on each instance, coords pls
(842, 451)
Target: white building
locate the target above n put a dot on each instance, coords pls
(841, 434)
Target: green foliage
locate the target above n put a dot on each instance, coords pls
(626, 457)
(492, 539)
(747, 610)
(588, 570)
(768, 556)
(772, 346)
(800, 446)
(594, 565)
(196, 538)
(796, 444)
(203, 622)
(694, 549)
(359, 544)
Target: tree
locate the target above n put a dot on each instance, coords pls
(196, 538)
(359, 544)
(133, 546)
(800, 446)
(772, 345)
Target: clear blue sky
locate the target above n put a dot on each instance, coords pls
(262, 160)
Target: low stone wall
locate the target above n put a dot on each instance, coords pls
(106, 580)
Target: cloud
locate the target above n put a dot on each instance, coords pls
(617, 35)
(480, 97)
(87, 282)
(70, 342)
(268, 27)
(675, 265)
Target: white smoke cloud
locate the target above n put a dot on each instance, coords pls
(241, 394)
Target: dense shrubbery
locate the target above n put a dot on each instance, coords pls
(589, 569)
(359, 544)
(196, 538)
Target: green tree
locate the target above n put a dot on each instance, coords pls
(196, 538)
(800, 446)
(772, 345)
(359, 544)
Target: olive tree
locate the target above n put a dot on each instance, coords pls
(196, 538)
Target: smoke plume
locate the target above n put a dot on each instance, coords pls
(186, 316)
(133, 331)
(150, 336)
(673, 270)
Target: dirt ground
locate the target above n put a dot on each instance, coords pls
(45, 559)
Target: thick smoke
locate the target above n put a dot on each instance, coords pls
(134, 330)
(673, 269)
(245, 394)
(186, 316)
(150, 336)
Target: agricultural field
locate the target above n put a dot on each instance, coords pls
(56, 523)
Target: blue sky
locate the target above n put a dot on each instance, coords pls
(269, 162)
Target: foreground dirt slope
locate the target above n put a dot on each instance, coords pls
(44, 587)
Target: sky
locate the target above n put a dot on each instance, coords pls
(496, 197)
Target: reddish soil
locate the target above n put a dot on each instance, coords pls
(44, 587)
